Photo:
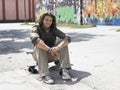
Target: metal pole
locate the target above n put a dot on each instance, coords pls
(54, 7)
(25, 9)
(81, 7)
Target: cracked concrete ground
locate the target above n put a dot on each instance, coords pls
(94, 55)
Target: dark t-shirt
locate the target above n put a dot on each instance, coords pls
(48, 36)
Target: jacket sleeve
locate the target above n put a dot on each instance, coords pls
(62, 35)
(34, 35)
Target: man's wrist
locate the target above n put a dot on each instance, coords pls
(49, 50)
(58, 47)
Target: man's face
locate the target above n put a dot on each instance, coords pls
(47, 22)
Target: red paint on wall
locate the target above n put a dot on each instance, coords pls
(16, 10)
(1, 14)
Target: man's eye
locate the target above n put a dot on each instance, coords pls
(46, 19)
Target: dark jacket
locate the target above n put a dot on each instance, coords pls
(48, 36)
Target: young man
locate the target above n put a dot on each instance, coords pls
(44, 38)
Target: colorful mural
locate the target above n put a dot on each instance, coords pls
(42, 6)
(102, 12)
(99, 12)
(66, 11)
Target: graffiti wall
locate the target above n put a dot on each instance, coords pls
(99, 12)
(66, 11)
(102, 12)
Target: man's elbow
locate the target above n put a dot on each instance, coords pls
(68, 39)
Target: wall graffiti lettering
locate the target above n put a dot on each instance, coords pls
(103, 12)
(66, 14)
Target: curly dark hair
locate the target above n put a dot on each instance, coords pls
(41, 19)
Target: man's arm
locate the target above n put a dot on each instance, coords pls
(36, 40)
(64, 42)
(42, 45)
(56, 49)
(61, 45)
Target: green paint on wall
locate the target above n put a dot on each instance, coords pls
(66, 14)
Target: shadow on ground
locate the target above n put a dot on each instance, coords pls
(76, 76)
(13, 41)
(77, 37)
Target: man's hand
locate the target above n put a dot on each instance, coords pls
(55, 49)
(54, 52)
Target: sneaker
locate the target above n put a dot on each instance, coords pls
(32, 70)
(47, 79)
(57, 62)
(65, 74)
